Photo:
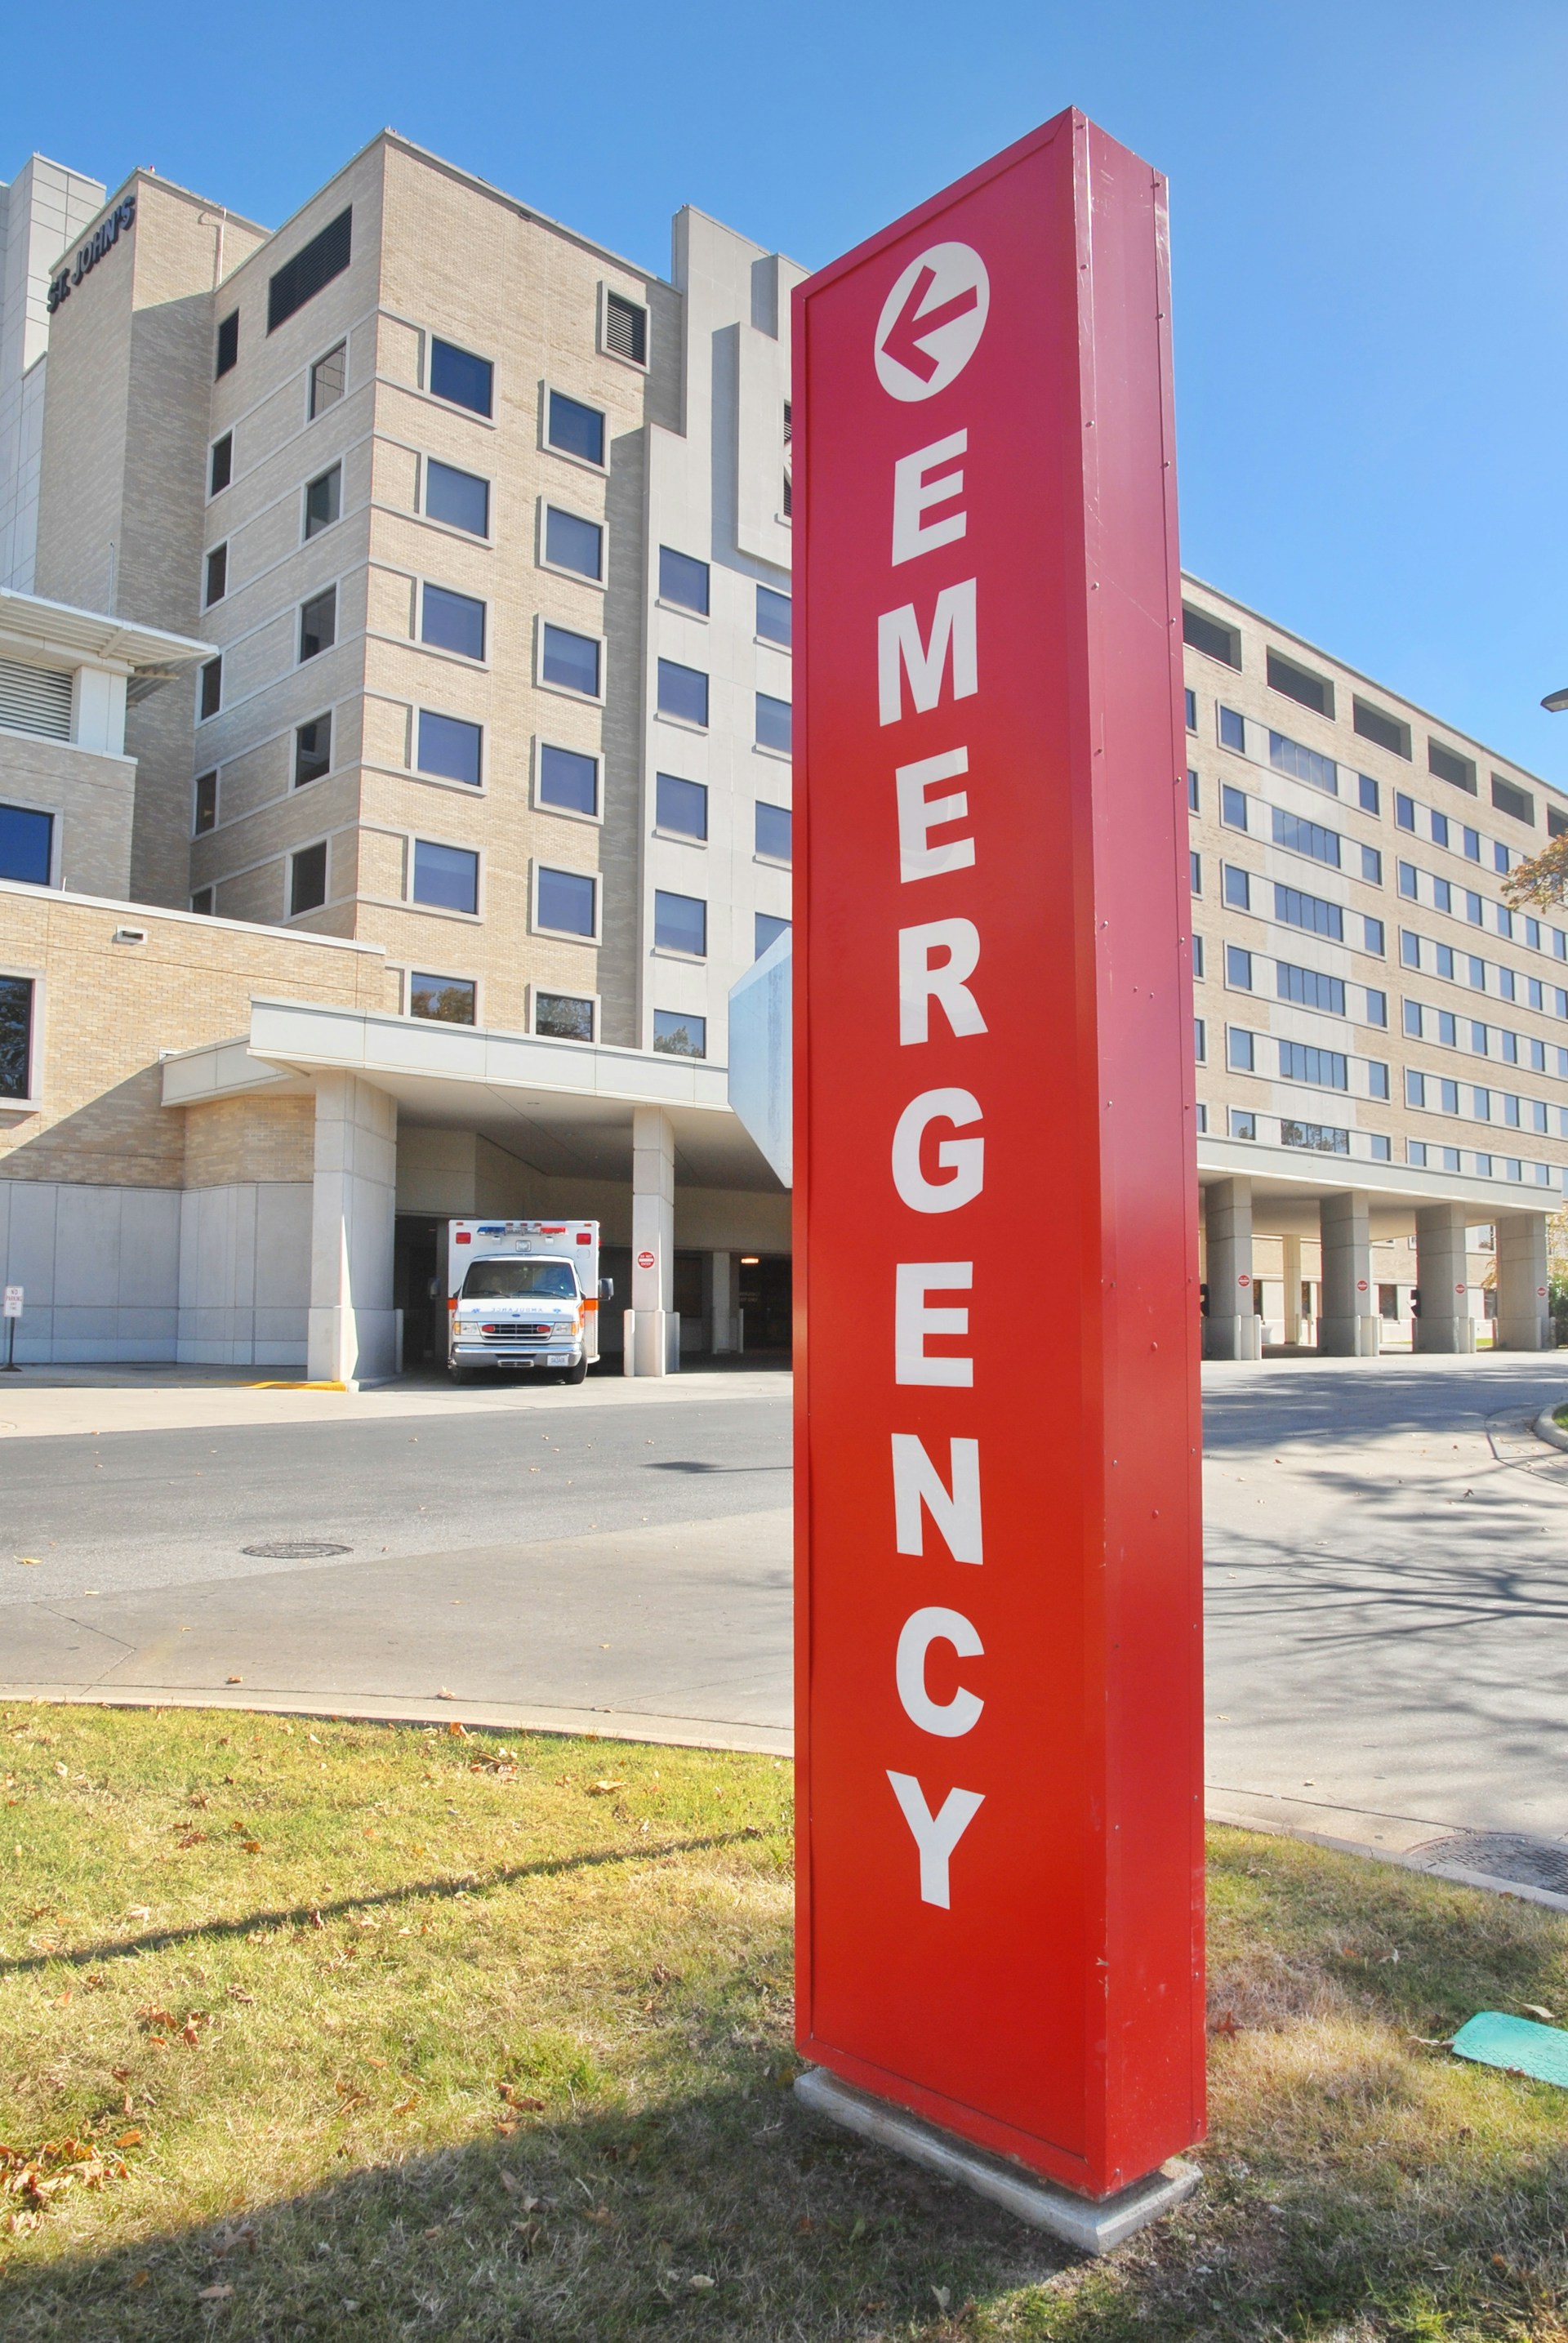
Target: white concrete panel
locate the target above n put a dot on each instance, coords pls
(149, 1249)
(30, 1261)
(87, 1245)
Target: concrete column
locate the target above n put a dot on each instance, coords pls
(1347, 1313)
(719, 1282)
(1444, 1323)
(1292, 1249)
(1233, 1330)
(652, 1328)
(353, 1327)
(1524, 1319)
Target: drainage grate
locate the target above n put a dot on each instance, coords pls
(1529, 1862)
(296, 1550)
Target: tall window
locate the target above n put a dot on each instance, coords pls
(204, 804)
(312, 750)
(682, 692)
(452, 622)
(680, 923)
(569, 661)
(683, 580)
(307, 879)
(567, 901)
(216, 575)
(15, 1037)
(323, 500)
(680, 806)
(446, 877)
(568, 780)
(221, 470)
(227, 345)
(774, 722)
(460, 377)
(573, 543)
(211, 692)
(775, 616)
(26, 845)
(318, 624)
(575, 429)
(450, 746)
(461, 499)
(775, 826)
(329, 379)
(768, 930)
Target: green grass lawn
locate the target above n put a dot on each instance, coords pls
(360, 2031)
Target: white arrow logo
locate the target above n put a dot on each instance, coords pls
(932, 321)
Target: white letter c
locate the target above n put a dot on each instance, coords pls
(962, 1714)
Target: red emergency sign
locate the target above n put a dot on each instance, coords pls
(998, 1701)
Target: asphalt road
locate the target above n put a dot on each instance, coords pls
(1387, 1552)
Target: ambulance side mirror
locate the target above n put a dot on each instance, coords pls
(607, 1289)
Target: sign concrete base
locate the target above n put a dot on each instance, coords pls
(1095, 2226)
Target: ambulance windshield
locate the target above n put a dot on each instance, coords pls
(510, 1281)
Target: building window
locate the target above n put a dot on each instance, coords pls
(1403, 812)
(1323, 1137)
(446, 876)
(1243, 1124)
(1450, 766)
(1323, 1068)
(1198, 956)
(1192, 700)
(1208, 636)
(1371, 866)
(566, 902)
(1368, 794)
(228, 346)
(625, 329)
(26, 845)
(574, 429)
(1233, 730)
(217, 582)
(1238, 967)
(307, 879)
(680, 923)
(569, 780)
(774, 723)
(1382, 1147)
(1371, 931)
(1517, 803)
(563, 1016)
(1377, 1078)
(221, 471)
(1306, 838)
(683, 580)
(17, 1037)
(1308, 988)
(680, 806)
(323, 500)
(461, 378)
(204, 804)
(312, 750)
(202, 902)
(1237, 887)
(569, 661)
(1200, 1045)
(1377, 1008)
(1298, 683)
(211, 699)
(775, 826)
(460, 499)
(1295, 757)
(774, 617)
(1293, 909)
(572, 543)
(677, 1035)
(318, 624)
(329, 379)
(769, 927)
(1195, 872)
(1239, 1049)
(446, 999)
(1192, 805)
(1232, 807)
(682, 693)
(452, 622)
(1439, 822)
(1202, 1117)
(315, 265)
(1374, 724)
(450, 747)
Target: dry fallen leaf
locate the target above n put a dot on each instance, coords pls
(603, 1789)
(129, 2139)
(229, 2290)
(405, 2106)
(214, 2294)
(28, 1561)
(701, 2281)
(1533, 2009)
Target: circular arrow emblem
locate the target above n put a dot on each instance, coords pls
(932, 321)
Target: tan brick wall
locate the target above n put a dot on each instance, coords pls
(233, 1141)
(93, 796)
(108, 1010)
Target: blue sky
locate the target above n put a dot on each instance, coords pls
(1368, 210)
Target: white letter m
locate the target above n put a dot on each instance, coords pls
(899, 651)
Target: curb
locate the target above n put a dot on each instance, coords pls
(1544, 1429)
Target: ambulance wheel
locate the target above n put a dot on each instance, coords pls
(575, 1375)
(461, 1374)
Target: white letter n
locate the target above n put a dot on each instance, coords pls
(901, 651)
(915, 1480)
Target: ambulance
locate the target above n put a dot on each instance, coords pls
(523, 1295)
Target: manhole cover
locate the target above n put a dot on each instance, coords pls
(296, 1550)
(1529, 1862)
